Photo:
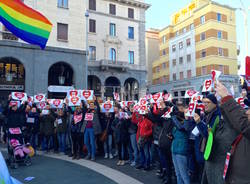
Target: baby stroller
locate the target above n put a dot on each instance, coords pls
(18, 151)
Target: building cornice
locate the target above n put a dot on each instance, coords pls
(115, 16)
(132, 3)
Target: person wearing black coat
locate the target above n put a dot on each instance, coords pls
(32, 124)
(120, 128)
(107, 120)
(162, 135)
(77, 129)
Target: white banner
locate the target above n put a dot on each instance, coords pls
(39, 98)
(19, 96)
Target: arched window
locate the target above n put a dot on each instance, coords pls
(112, 55)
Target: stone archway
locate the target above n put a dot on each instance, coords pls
(60, 74)
(94, 83)
(112, 84)
(131, 89)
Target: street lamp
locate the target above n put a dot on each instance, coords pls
(87, 48)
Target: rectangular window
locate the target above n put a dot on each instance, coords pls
(220, 51)
(157, 69)
(188, 42)
(62, 31)
(189, 74)
(202, 19)
(92, 4)
(164, 65)
(131, 57)
(130, 13)
(92, 26)
(164, 39)
(180, 45)
(180, 60)
(112, 9)
(221, 68)
(131, 32)
(204, 70)
(191, 26)
(184, 30)
(183, 93)
(189, 58)
(62, 3)
(92, 53)
(112, 29)
(163, 52)
(174, 77)
(181, 75)
(173, 48)
(203, 36)
(174, 62)
(219, 34)
(203, 53)
(219, 17)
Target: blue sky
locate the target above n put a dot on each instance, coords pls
(158, 16)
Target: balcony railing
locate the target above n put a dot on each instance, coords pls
(124, 66)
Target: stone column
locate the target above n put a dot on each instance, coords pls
(102, 92)
(122, 93)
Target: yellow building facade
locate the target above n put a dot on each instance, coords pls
(201, 37)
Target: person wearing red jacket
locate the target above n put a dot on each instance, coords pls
(143, 136)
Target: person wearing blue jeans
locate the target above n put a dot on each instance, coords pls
(62, 141)
(108, 147)
(89, 141)
(180, 144)
(135, 149)
(144, 156)
(181, 168)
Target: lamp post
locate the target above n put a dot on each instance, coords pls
(87, 48)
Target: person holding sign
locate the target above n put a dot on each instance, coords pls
(32, 124)
(92, 128)
(14, 114)
(216, 141)
(61, 128)
(76, 128)
(239, 119)
(47, 128)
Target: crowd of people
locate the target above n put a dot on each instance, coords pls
(187, 148)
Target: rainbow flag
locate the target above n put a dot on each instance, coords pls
(24, 22)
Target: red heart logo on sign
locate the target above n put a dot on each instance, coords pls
(241, 102)
(73, 93)
(156, 97)
(107, 106)
(129, 103)
(57, 102)
(143, 102)
(74, 100)
(19, 95)
(208, 84)
(143, 108)
(13, 103)
(213, 75)
(42, 105)
(191, 108)
(86, 94)
(191, 92)
(39, 97)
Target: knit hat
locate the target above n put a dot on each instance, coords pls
(212, 98)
